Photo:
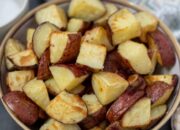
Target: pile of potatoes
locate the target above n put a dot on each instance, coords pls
(90, 68)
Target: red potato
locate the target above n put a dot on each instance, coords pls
(117, 126)
(43, 67)
(166, 55)
(113, 63)
(86, 10)
(139, 115)
(17, 79)
(124, 26)
(159, 92)
(41, 37)
(108, 86)
(67, 108)
(69, 76)
(92, 56)
(78, 25)
(12, 47)
(53, 14)
(96, 112)
(29, 37)
(64, 46)
(137, 82)
(22, 107)
(135, 57)
(122, 104)
(24, 59)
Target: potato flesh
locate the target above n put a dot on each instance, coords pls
(37, 92)
(25, 58)
(111, 8)
(92, 55)
(12, 47)
(138, 115)
(65, 78)
(67, 108)
(41, 38)
(124, 26)
(52, 124)
(29, 37)
(52, 14)
(98, 35)
(58, 44)
(75, 25)
(92, 103)
(52, 86)
(17, 79)
(158, 112)
(137, 56)
(148, 23)
(108, 86)
(87, 10)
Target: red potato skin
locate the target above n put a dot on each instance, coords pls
(42, 114)
(175, 80)
(43, 68)
(123, 103)
(22, 107)
(164, 46)
(86, 26)
(94, 119)
(72, 49)
(114, 126)
(137, 82)
(112, 64)
(156, 90)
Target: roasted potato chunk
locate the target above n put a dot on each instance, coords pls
(138, 115)
(110, 9)
(158, 112)
(159, 92)
(41, 37)
(52, 87)
(92, 55)
(167, 78)
(163, 45)
(124, 26)
(96, 112)
(67, 108)
(12, 47)
(52, 14)
(77, 25)
(122, 104)
(136, 55)
(37, 92)
(117, 126)
(68, 76)
(17, 79)
(108, 86)
(24, 59)
(52, 124)
(98, 35)
(43, 67)
(29, 37)
(137, 82)
(86, 10)
(22, 107)
(148, 23)
(64, 47)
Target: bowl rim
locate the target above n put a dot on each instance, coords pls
(122, 2)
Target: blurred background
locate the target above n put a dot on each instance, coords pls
(167, 10)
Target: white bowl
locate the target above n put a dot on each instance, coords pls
(10, 12)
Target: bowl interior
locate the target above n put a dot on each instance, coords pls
(20, 34)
